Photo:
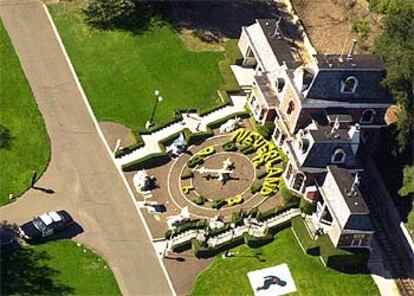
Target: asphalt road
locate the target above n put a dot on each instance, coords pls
(81, 172)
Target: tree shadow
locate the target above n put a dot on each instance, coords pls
(24, 271)
(5, 138)
(211, 21)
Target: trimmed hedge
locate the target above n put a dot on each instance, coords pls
(230, 146)
(181, 247)
(237, 218)
(247, 150)
(218, 203)
(206, 252)
(277, 228)
(200, 200)
(310, 245)
(195, 224)
(214, 232)
(340, 259)
(266, 130)
(287, 195)
(257, 242)
(255, 188)
(306, 207)
(262, 216)
(195, 160)
(198, 137)
(187, 174)
(148, 161)
(219, 122)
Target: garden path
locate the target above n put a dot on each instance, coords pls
(192, 121)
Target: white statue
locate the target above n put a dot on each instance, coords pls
(177, 147)
(222, 174)
(142, 181)
(230, 125)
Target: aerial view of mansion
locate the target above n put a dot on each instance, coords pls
(328, 110)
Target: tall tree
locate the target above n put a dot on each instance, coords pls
(396, 45)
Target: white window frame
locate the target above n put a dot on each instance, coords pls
(339, 150)
(343, 84)
(372, 116)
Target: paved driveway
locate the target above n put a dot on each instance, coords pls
(81, 172)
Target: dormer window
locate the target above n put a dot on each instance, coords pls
(349, 85)
(367, 116)
(338, 156)
(280, 84)
(291, 108)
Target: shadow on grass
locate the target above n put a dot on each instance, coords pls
(24, 271)
(211, 21)
(5, 138)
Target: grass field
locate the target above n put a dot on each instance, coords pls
(29, 146)
(229, 276)
(56, 268)
(120, 71)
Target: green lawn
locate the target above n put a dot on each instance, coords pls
(56, 268)
(29, 146)
(120, 71)
(229, 276)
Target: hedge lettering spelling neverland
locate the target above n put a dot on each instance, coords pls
(267, 154)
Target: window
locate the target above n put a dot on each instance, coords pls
(291, 108)
(338, 156)
(349, 85)
(280, 84)
(367, 116)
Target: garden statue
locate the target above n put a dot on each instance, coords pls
(142, 181)
(177, 147)
(230, 125)
(223, 174)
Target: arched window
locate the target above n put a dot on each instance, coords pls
(291, 108)
(349, 85)
(338, 156)
(280, 84)
(367, 116)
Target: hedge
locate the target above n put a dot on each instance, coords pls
(195, 224)
(310, 245)
(255, 188)
(340, 259)
(257, 242)
(207, 252)
(306, 207)
(266, 130)
(218, 203)
(230, 146)
(148, 161)
(187, 174)
(247, 150)
(129, 149)
(219, 122)
(181, 247)
(262, 216)
(196, 138)
(195, 160)
(287, 195)
(214, 232)
(237, 218)
(200, 200)
(279, 227)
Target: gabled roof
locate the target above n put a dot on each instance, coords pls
(356, 62)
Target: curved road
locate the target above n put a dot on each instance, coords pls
(81, 172)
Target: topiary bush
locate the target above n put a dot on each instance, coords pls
(195, 160)
(187, 174)
(247, 150)
(230, 146)
(255, 188)
(218, 203)
(200, 200)
(306, 207)
(287, 195)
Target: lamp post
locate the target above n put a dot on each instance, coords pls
(158, 99)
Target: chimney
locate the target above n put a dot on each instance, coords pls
(352, 50)
(354, 134)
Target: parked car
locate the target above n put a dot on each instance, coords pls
(45, 225)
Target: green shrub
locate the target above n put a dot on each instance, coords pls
(266, 130)
(255, 188)
(277, 228)
(287, 195)
(343, 260)
(247, 150)
(362, 28)
(310, 245)
(218, 203)
(230, 146)
(148, 161)
(257, 242)
(237, 218)
(306, 207)
(196, 138)
(195, 160)
(206, 252)
(262, 216)
(195, 224)
(181, 247)
(262, 174)
(219, 122)
(214, 232)
(187, 174)
(200, 200)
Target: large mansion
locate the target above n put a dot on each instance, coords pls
(328, 110)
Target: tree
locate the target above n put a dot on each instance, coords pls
(108, 13)
(396, 45)
(408, 182)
